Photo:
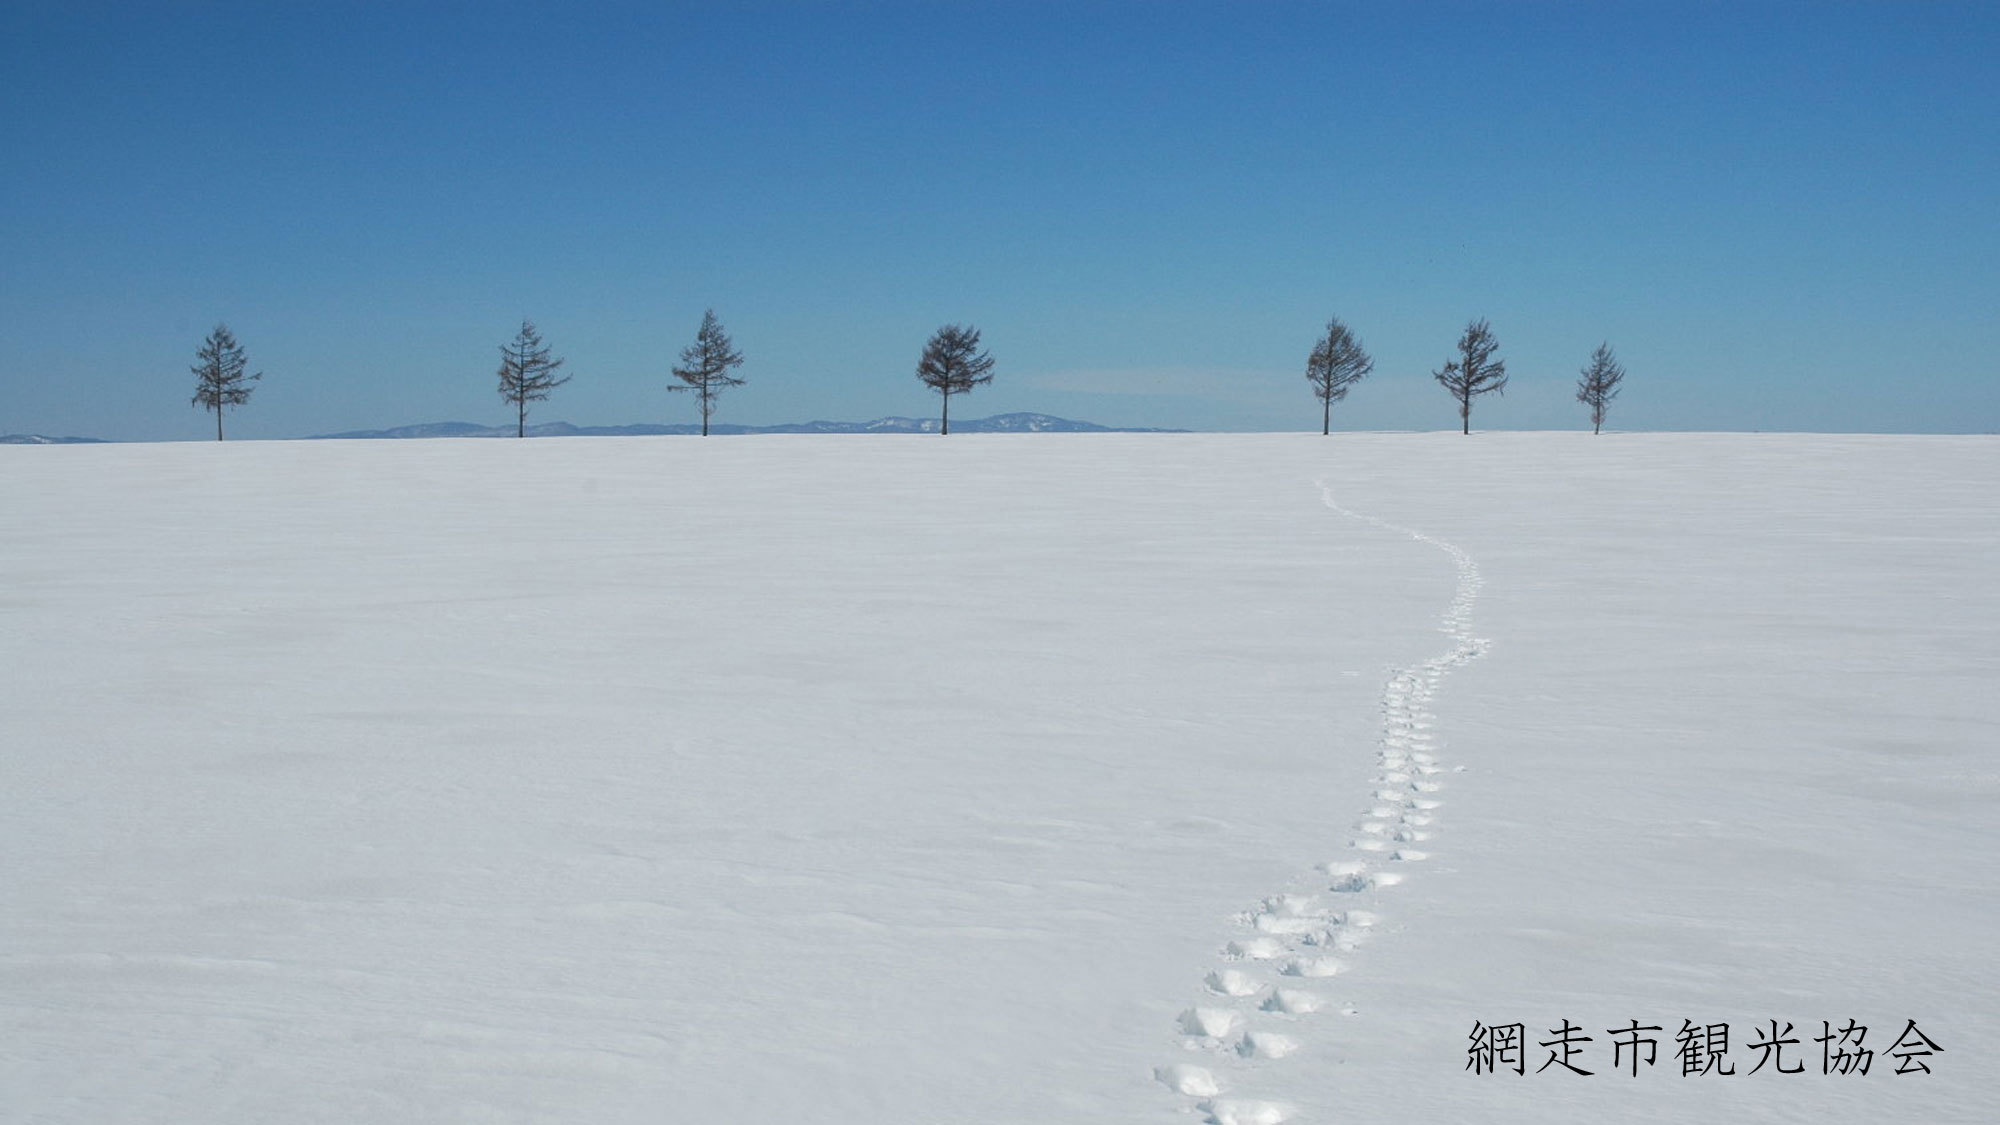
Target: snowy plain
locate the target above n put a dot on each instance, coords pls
(997, 779)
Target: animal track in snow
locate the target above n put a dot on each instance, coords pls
(1255, 949)
(1231, 982)
(1311, 967)
(1210, 1023)
(1266, 1045)
(1245, 1111)
(1294, 1002)
(1289, 932)
(1194, 1081)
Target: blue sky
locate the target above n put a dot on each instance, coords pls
(1781, 216)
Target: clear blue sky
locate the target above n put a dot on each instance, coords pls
(1781, 216)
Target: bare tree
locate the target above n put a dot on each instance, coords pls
(1337, 363)
(1475, 372)
(952, 364)
(1599, 385)
(705, 366)
(527, 374)
(219, 375)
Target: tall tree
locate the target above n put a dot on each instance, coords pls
(219, 374)
(1337, 363)
(1599, 385)
(527, 374)
(1475, 372)
(952, 364)
(705, 366)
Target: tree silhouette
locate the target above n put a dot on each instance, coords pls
(219, 375)
(1599, 385)
(705, 365)
(1337, 363)
(1475, 372)
(952, 364)
(527, 374)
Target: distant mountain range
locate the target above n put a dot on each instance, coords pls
(997, 424)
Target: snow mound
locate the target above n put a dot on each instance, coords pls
(1256, 949)
(1295, 1002)
(1183, 1078)
(1210, 1023)
(1266, 1045)
(1232, 982)
(1237, 1111)
(1311, 967)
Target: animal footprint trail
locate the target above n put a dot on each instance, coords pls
(1257, 1007)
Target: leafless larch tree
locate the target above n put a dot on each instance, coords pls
(1475, 372)
(952, 364)
(219, 372)
(705, 365)
(527, 374)
(1337, 363)
(1599, 385)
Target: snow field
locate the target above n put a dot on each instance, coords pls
(1000, 779)
(1305, 923)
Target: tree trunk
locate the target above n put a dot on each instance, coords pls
(1465, 415)
(1325, 417)
(218, 423)
(944, 422)
(521, 417)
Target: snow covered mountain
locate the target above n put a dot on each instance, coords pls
(43, 439)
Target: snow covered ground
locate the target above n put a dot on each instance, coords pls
(857, 780)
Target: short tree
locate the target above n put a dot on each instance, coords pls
(1337, 363)
(527, 374)
(219, 375)
(1475, 372)
(1599, 385)
(705, 365)
(952, 364)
